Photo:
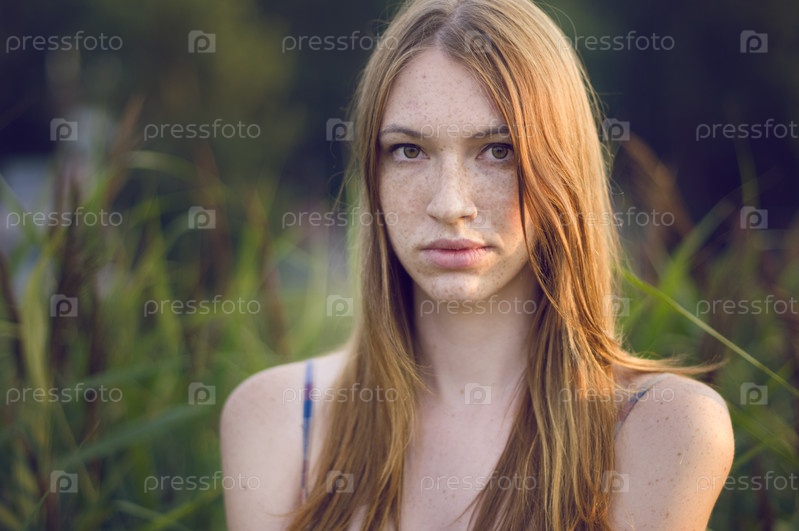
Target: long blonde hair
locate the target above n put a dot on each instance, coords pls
(518, 55)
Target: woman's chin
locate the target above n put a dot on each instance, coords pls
(457, 290)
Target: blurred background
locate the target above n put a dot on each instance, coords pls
(168, 227)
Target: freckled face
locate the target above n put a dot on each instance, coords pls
(448, 178)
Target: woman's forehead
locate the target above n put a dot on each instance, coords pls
(435, 91)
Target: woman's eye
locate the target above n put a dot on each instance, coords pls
(408, 151)
(500, 151)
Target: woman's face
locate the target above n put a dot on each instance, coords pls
(448, 183)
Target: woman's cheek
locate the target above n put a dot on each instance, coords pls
(394, 204)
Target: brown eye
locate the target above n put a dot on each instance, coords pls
(500, 151)
(410, 152)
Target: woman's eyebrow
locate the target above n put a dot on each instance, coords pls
(451, 130)
(401, 130)
(502, 130)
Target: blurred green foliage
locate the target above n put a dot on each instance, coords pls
(118, 448)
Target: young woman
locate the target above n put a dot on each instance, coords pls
(499, 396)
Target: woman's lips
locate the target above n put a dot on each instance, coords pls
(455, 258)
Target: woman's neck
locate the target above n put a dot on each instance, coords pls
(475, 351)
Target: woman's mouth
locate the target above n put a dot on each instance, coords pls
(455, 254)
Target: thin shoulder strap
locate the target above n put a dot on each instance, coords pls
(307, 411)
(628, 407)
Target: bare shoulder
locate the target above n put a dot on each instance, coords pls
(275, 385)
(673, 454)
(261, 440)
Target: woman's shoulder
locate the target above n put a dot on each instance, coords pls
(669, 392)
(282, 385)
(677, 440)
(261, 439)
(673, 406)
